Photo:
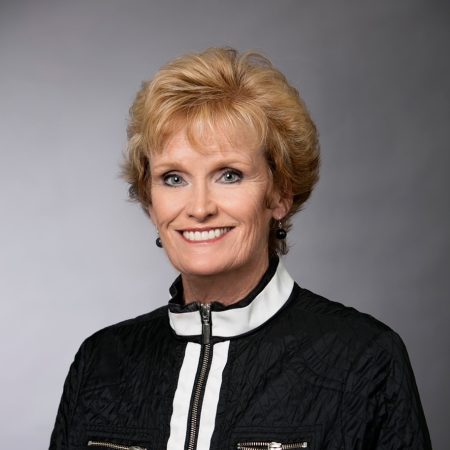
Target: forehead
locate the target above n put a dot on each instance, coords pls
(220, 141)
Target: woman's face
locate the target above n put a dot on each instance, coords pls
(211, 207)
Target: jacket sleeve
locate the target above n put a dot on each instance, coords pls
(399, 421)
(60, 434)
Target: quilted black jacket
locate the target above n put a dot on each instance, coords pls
(281, 369)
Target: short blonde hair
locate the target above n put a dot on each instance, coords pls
(221, 88)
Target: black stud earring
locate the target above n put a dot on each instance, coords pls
(280, 232)
(158, 241)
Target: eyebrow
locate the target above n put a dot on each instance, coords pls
(179, 166)
(167, 166)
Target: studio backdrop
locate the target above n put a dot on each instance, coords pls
(76, 256)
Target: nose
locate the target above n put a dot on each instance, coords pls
(201, 205)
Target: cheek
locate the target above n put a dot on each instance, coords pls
(251, 209)
(165, 206)
(260, 225)
(260, 218)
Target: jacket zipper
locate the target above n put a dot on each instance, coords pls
(114, 446)
(271, 445)
(204, 364)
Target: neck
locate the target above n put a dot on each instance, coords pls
(226, 287)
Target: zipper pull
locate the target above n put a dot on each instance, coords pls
(205, 315)
(275, 446)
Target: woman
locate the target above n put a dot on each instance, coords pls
(222, 152)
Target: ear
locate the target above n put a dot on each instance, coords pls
(281, 204)
(151, 213)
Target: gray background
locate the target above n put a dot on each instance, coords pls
(76, 256)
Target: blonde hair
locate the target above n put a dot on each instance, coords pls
(220, 88)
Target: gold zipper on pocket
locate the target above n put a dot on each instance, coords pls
(271, 445)
(114, 446)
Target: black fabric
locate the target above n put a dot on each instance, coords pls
(318, 372)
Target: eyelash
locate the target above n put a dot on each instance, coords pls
(234, 172)
(168, 178)
(171, 176)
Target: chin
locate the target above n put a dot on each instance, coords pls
(204, 267)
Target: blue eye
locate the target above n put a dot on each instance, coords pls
(173, 179)
(231, 176)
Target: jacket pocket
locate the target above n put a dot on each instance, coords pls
(276, 438)
(112, 445)
(120, 438)
(266, 445)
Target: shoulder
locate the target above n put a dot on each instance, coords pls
(343, 337)
(366, 361)
(102, 357)
(149, 320)
(127, 335)
(334, 317)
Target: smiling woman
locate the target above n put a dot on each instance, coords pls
(220, 97)
(213, 215)
(222, 153)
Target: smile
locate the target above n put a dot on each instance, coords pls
(206, 235)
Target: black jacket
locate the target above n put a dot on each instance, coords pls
(282, 366)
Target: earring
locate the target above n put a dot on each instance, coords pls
(280, 232)
(158, 241)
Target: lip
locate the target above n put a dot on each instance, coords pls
(193, 235)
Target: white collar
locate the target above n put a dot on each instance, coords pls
(237, 319)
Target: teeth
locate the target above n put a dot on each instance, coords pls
(205, 235)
